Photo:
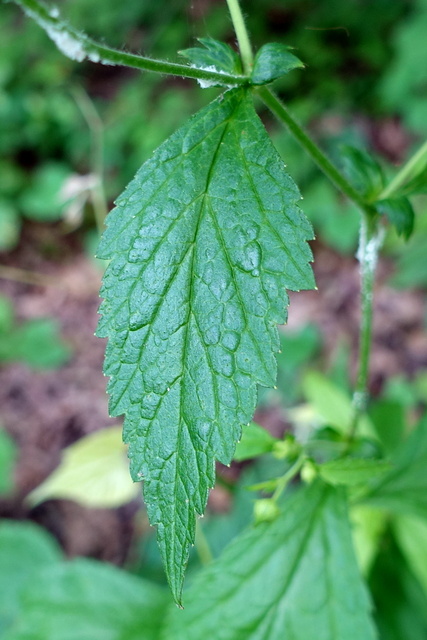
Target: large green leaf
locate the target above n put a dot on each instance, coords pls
(404, 489)
(203, 244)
(86, 600)
(293, 579)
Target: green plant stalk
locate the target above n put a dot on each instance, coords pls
(77, 46)
(241, 34)
(284, 480)
(322, 161)
(405, 172)
(371, 237)
(96, 127)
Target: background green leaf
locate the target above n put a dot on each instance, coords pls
(25, 549)
(352, 471)
(411, 535)
(295, 577)
(404, 489)
(400, 603)
(85, 599)
(93, 471)
(255, 441)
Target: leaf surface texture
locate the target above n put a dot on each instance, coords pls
(203, 244)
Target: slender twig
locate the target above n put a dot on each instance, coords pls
(78, 46)
(28, 277)
(241, 35)
(405, 172)
(335, 176)
(96, 128)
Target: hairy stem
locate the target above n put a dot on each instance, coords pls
(78, 46)
(322, 161)
(405, 172)
(371, 237)
(241, 34)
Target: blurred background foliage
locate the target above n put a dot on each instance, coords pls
(364, 84)
(67, 128)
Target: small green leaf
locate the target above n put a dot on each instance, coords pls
(255, 441)
(94, 472)
(203, 244)
(404, 489)
(295, 577)
(332, 404)
(85, 599)
(273, 61)
(215, 54)
(352, 471)
(363, 171)
(400, 213)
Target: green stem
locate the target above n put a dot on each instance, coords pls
(284, 480)
(78, 46)
(96, 127)
(371, 237)
(322, 161)
(405, 172)
(241, 34)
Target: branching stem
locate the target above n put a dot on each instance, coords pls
(78, 46)
(284, 480)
